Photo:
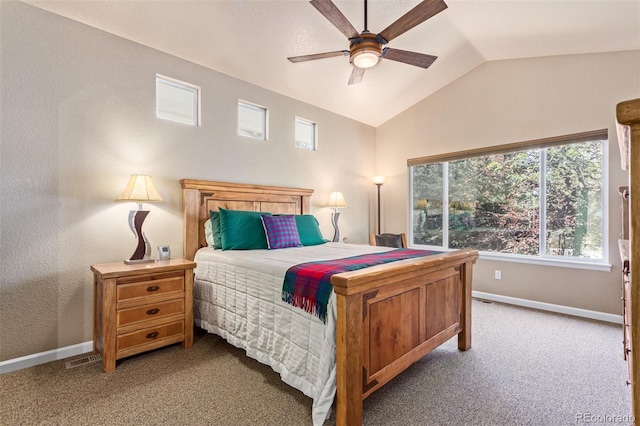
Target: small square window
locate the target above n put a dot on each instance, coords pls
(306, 134)
(252, 120)
(177, 101)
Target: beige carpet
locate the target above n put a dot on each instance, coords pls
(525, 367)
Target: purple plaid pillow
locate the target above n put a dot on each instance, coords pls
(281, 231)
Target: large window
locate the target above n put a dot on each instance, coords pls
(542, 199)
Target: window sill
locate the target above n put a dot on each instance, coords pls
(531, 260)
(547, 261)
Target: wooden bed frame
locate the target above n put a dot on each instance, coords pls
(389, 316)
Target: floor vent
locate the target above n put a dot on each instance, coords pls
(84, 360)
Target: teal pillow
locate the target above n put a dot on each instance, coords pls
(242, 230)
(215, 228)
(309, 230)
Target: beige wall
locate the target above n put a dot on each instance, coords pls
(511, 101)
(78, 117)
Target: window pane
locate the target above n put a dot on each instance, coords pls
(427, 204)
(305, 134)
(494, 202)
(176, 101)
(252, 121)
(574, 200)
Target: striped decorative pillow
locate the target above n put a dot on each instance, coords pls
(281, 231)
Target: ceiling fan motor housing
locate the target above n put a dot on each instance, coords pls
(365, 51)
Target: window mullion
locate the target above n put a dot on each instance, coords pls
(445, 205)
(542, 203)
(604, 194)
(410, 218)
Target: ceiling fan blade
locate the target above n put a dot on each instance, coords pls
(412, 58)
(333, 14)
(415, 16)
(356, 75)
(315, 56)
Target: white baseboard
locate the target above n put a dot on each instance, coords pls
(568, 310)
(44, 357)
(82, 348)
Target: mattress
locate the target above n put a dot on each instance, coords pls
(238, 296)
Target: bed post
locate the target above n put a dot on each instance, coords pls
(190, 222)
(349, 360)
(464, 337)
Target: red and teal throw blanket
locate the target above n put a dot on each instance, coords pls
(308, 285)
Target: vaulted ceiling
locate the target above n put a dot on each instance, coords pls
(251, 40)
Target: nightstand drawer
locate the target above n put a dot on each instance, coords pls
(150, 335)
(131, 288)
(149, 312)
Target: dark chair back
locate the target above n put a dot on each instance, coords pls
(388, 240)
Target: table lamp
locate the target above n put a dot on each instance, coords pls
(139, 189)
(336, 201)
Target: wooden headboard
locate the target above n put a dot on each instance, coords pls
(200, 196)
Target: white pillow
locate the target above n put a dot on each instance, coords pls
(208, 233)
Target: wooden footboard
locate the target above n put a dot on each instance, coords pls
(392, 315)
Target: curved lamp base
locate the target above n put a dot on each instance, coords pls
(143, 250)
(334, 221)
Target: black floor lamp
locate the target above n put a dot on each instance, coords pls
(378, 180)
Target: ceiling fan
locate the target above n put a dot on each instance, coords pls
(366, 48)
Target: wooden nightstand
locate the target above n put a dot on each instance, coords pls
(141, 307)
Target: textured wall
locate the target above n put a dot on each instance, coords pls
(512, 101)
(78, 117)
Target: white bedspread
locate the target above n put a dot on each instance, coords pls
(238, 296)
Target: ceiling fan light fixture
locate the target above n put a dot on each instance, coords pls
(365, 52)
(365, 57)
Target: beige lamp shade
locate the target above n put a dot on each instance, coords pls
(140, 189)
(336, 201)
(378, 180)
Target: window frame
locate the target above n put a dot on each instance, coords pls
(264, 118)
(540, 144)
(188, 87)
(314, 131)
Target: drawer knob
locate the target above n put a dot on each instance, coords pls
(153, 311)
(152, 335)
(153, 288)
